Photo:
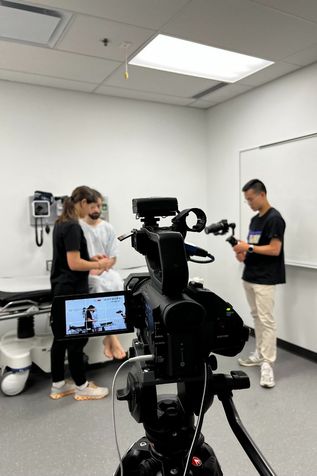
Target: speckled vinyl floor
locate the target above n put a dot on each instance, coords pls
(43, 437)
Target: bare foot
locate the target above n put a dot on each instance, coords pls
(113, 348)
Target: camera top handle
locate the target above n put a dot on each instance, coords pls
(166, 258)
(164, 247)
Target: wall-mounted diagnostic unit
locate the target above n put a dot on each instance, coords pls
(45, 208)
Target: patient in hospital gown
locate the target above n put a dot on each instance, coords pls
(101, 240)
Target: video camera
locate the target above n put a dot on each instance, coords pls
(221, 228)
(178, 325)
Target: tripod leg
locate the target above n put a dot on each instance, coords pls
(244, 438)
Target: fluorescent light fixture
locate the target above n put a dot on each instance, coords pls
(193, 59)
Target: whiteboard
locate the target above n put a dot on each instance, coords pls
(289, 172)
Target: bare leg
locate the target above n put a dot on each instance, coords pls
(113, 348)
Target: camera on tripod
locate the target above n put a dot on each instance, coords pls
(178, 324)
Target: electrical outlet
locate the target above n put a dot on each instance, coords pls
(48, 264)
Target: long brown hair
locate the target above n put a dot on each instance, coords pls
(80, 193)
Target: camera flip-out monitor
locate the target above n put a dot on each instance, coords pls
(90, 315)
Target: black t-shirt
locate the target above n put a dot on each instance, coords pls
(264, 269)
(89, 319)
(68, 236)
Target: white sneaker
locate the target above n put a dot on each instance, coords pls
(91, 392)
(68, 388)
(252, 360)
(267, 376)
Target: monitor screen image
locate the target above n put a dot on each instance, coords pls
(95, 315)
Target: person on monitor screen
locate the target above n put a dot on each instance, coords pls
(263, 257)
(89, 318)
(69, 275)
(101, 240)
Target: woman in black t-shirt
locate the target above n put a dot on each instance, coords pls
(89, 318)
(70, 267)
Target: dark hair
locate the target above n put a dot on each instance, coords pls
(80, 193)
(256, 185)
(98, 194)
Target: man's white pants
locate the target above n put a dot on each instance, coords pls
(261, 301)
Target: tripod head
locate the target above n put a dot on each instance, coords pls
(169, 421)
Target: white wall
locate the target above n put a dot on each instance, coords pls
(54, 140)
(282, 109)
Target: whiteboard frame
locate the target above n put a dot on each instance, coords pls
(288, 262)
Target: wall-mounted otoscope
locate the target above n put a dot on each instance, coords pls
(44, 210)
(41, 210)
(221, 228)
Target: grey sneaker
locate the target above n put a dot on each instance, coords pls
(267, 376)
(91, 392)
(68, 388)
(251, 361)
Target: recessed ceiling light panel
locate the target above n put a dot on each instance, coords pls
(185, 57)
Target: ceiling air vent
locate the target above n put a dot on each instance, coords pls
(27, 23)
(209, 90)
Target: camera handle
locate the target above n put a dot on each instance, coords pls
(164, 450)
(232, 239)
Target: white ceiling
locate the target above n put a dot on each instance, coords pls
(283, 31)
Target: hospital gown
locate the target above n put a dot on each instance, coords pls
(101, 239)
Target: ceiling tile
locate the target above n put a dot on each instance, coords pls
(243, 26)
(132, 94)
(274, 71)
(161, 82)
(86, 32)
(32, 59)
(284, 31)
(45, 81)
(304, 9)
(146, 13)
(305, 57)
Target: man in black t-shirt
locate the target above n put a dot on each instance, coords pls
(263, 256)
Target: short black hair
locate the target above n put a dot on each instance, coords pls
(256, 185)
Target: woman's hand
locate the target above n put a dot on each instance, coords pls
(105, 263)
(98, 257)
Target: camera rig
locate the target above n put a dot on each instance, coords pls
(179, 325)
(221, 228)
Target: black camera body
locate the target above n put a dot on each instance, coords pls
(179, 323)
(182, 330)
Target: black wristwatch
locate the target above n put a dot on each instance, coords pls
(251, 249)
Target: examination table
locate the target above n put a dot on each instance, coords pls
(22, 301)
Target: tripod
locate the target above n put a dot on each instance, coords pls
(168, 421)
